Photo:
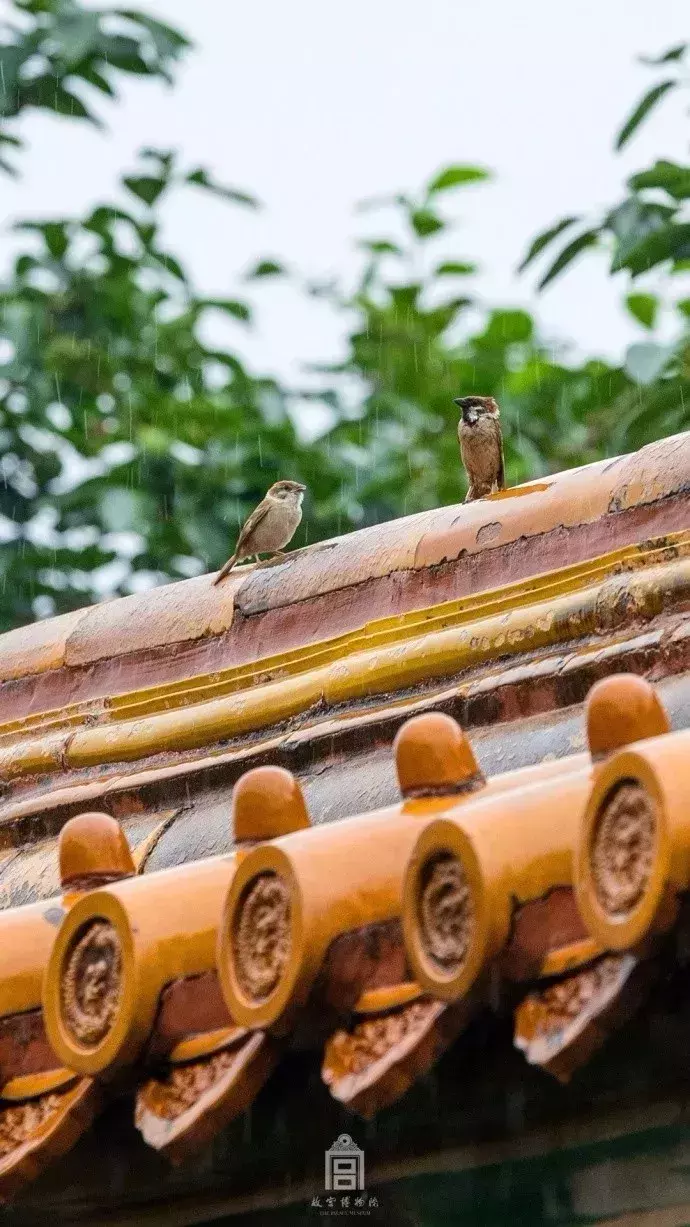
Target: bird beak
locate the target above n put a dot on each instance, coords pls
(469, 413)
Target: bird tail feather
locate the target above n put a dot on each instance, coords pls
(226, 569)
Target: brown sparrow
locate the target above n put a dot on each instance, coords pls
(270, 526)
(481, 445)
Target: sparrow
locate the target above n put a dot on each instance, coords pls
(481, 445)
(270, 526)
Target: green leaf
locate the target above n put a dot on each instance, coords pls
(145, 187)
(14, 141)
(168, 41)
(508, 328)
(643, 307)
(542, 240)
(164, 159)
(25, 264)
(684, 307)
(131, 61)
(171, 264)
(405, 297)
(381, 247)
(201, 178)
(231, 306)
(456, 176)
(645, 362)
(74, 35)
(633, 222)
(12, 59)
(266, 268)
(93, 77)
(425, 223)
(100, 220)
(641, 111)
(49, 94)
(667, 176)
(57, 242)
(667, 57)
(454, 268)
(54, 235)
(671, 242)
(590, 238)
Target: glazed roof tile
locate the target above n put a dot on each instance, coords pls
(445, 553)
(484, 882)
(322, 857)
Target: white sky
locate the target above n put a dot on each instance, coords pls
(313, 106)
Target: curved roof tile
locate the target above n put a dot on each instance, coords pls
(338, 585)
(312, 936)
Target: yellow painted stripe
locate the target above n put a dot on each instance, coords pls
(404, 626)
(385, 656)
(382, 670)
(384, 631)
(393, 996)
(31, 1086)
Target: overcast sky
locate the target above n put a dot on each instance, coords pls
(313, 106)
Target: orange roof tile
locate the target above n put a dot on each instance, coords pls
(334, 587)
(535, 857)
(309, 921)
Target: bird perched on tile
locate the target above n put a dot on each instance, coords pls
(481, 445)
(270, 526)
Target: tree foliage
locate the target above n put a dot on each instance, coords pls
(58, 56)
(132, 447)
(129, 443)
(650, 226)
